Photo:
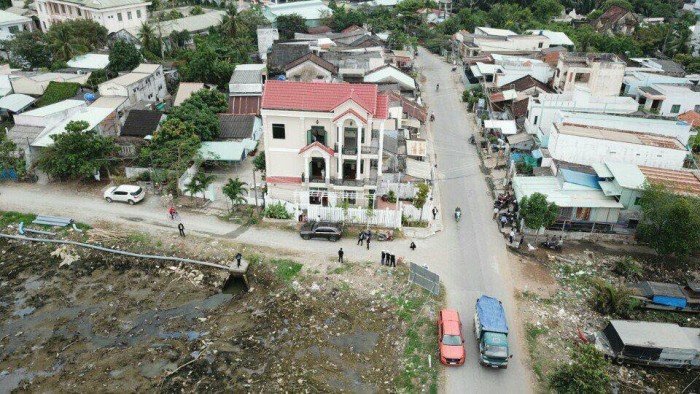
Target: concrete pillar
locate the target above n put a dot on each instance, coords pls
(359, 152)
(340, 135)
(327, 162)
(306, 168)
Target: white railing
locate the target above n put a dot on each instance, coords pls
(375, 217)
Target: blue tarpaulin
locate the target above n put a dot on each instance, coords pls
(580, 178)
(523, 157)
(670, 301)
(492, 317)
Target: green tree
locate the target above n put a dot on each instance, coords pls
(287, 25)
(670, 223)
(537, 212)
(148, 37)
(247, 23)
(213, 59)
(587, 373)
(210, 99)
(259, 162)
(199, 183)
(545, 10)
(235, 190)
(75, 37)
(510, 16)
(200, 111)
(197, 10)
(96, 78)
(421, 197)
(124, 56)
(76, 154)
(620, 3)
(29, 50)
(9, 158)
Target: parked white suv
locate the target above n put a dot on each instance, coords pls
(125, 193)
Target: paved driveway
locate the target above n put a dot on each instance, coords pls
(470, 255)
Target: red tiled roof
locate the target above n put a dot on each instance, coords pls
(351, 28)
(323, 97)
(351, 111)
(613, 13)
(691, 117)
(317, 145)
(319, 30)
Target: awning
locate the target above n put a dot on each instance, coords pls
(507, 127)
(232, 151)
(610, 188)
(418, 169)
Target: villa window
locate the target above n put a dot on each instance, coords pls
(675, 108)
(316, 133)
(128, 15)
(278, 131)
(119, 16)
(138, 14)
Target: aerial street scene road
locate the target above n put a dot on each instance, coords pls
(338, 196)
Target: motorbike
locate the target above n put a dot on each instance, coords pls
(454, 68)
(458, 214)
(472, 140)
(553, 244)
(432, 117)
(388, 236)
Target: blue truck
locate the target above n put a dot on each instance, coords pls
(491, 330)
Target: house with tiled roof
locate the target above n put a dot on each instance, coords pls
(616, 20)
(322, 138)
(309, 68)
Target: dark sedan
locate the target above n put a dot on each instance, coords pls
(328, 230)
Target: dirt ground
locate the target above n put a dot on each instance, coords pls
(553, 293)
(73, 318)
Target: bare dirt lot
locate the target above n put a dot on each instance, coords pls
(118, 324)
(554, 293)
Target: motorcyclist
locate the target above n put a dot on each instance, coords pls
(432, 116)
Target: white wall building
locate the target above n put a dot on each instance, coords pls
(145, 83)
(543, 109)
(599, 73)
(678, 129)
(670, 100)
(114, 15)
(587, 145)
(12, 23)
(637, 79)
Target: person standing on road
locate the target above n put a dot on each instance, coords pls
(383, 256)
(393, 260)
(511, 236)
(495, 213)
(413, 246)
(340, 255)
(239, 256)
(504, 220)
(522, 240)
(181, 228)
(360, 238)
(435, 211)
(369, 238)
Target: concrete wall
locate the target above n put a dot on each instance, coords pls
(132, 16)
(309, 72)
(587, 151)
(686, 99)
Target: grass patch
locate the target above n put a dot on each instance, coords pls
(341, 270)
(138, 238)
(532, 332)
(58, 91)
(286, 269)
(11, 217)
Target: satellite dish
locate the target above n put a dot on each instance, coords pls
(89, 96)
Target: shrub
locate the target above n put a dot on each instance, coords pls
(58, 91)
(587, 372)
(628, 268)
(391, 196)
(609, 299)
(277, 211)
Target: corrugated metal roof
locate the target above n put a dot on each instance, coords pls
(579, 178)
(16, 102)
(627, 175)
(8, 18)
(185, 91)
(104, 4)
(223, 150)
(90, 61)
(580, 197)
(652, 334)
(54, 108)
(192, 23)
(310, 9)
(92, 115)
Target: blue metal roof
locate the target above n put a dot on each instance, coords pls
(491, 314)
(580, 178)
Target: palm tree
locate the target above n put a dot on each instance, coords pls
(147, 36)
(63, 44)
(234, 190)
(228, 24)
(199, 183)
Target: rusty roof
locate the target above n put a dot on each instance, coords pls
(678, 181)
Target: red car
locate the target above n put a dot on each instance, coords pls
(450, 338)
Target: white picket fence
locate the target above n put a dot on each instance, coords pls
(402, 190)
(376, 217)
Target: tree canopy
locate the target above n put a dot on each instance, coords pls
(670, 222)
(200, 111)
(537, 212)
(287, 25)
(586, 373)
(76, 154)
(123, 56)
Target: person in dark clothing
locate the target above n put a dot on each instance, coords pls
(340, 255)
(522, 240)
(413, 245)
(383, 256)
(239, 256)
(393, 260)
(181, 228)
(435, 211)
(360, 238)
(369, 238)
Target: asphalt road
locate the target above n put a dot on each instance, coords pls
(471, 256)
